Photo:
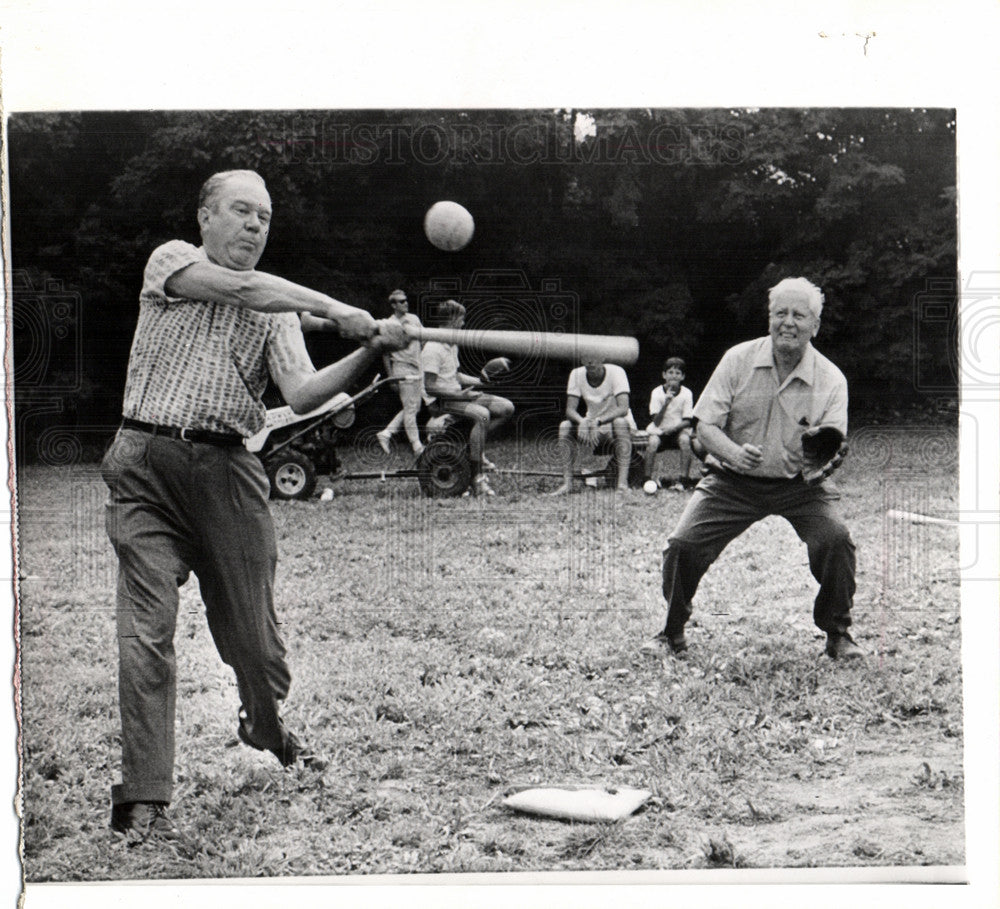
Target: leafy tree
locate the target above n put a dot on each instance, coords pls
(669, 225)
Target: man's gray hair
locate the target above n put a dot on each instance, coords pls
(800, 286)
(210, 188)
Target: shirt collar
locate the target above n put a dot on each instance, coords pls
(805, 370)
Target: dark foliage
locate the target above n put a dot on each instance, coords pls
(668, 225)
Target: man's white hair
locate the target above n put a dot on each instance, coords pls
(800, 286)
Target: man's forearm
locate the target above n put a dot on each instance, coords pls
(717, 443)
(450, 394)
(620, 412)
(674, 426)
(255, 290)
(269, 293)
(311, 323)
(323, 384)
(435, 390)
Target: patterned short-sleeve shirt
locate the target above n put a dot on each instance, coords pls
(202, 365)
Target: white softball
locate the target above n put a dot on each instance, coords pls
(449, 226)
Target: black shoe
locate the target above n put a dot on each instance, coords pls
(142, 822)
(676, 642)
(289, 753)
(840, 646)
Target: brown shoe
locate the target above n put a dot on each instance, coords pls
(840, 646)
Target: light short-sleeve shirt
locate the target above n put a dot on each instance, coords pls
(441, 360)
(197, 364)
(599, 400)
(681, 406)
(747, 402)
(406, 361)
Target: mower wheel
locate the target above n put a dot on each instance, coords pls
(445, 470)
(292, 475)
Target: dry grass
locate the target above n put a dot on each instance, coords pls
(447, 652)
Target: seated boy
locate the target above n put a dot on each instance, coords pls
(670, 406)
(454, 392)
(604, 390)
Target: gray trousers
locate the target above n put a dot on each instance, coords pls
(724, 505)
(178, 507)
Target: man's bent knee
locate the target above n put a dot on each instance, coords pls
(832, 533)
(688, 555)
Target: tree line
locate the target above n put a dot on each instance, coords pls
(667, 225)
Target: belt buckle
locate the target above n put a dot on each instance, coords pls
(184, 436)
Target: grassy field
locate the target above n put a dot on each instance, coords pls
(447, 653)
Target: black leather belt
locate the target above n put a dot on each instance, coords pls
(203, 436)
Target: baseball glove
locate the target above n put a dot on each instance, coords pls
(823, 450)
(493, 369)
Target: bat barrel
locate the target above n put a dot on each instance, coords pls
(573, 348)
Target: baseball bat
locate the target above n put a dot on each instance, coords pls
(618, 349)
(916, 518)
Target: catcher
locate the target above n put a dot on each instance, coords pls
(772, 422)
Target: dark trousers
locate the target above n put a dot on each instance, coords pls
(178, 507)
(725, 505)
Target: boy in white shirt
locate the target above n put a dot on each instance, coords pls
(670, 407)
(452, 391)
(604, 390)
